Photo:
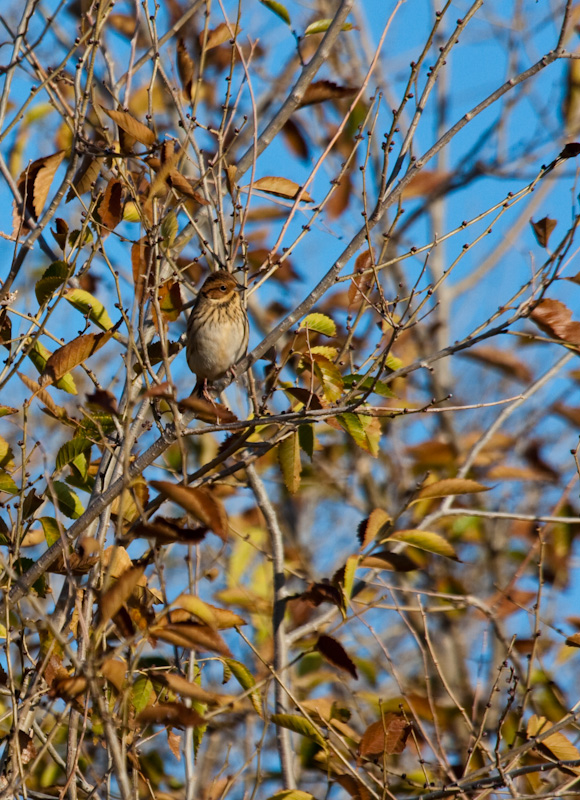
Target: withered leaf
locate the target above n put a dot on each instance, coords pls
(295, 139)
(185, 68)
(555, 319)
(132, 126)
(207, 412)
(369, 528)
(332, 650)
(425, 182)
(192, 636)
(143, 266)
(200, 502)
(218, 35)
(71, 355)
(387, 736)
(281, 187)
(571, 150)
(385, 559)
(318, 593)
(361, 284)
(69, 687)
(85, 177)
(103, 399)
(111, 206)
(35, 181)
(178, 715)
(543, 230)
(503, 360)
(340, 197)
(320, 91)
(186, 688)
(167, 531)
(111, 600)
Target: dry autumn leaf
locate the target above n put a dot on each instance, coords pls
(320, 91)
(132, 126)
(388, 736)
(110, 208)
(555, 319)
(177, 715)
(35, 181)
(543, 230)
(71, 355)
(200, 502)
(332, 650)
(281, 187)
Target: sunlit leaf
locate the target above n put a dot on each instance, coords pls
(388, 736)
(71, 355)
(132, 126)
(66, 500)
(246, 680)
(425, 540)
(366, 431)
(197, 501)
(289, 460)
(176, 714)
(449, 487)
(281, 187)
(555, 319)
(300, 725)
(88, 305)
(319, 323)
(70, 450)
(278, 9)
(7, 483)
(322, 25)
(369, 528)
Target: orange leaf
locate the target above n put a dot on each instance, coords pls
(127, 122)
(177, 715)
(111, 206)
(388, 736)
(115, 597)
(281, 187)
(199, 502)
(71, 355)
(555, 319)
(192, 636)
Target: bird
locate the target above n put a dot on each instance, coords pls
(217, 330)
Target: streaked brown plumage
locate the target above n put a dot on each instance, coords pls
(217, 330)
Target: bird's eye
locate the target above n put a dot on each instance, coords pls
(223, 287)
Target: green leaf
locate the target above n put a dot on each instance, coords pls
(299, 725)
(349, 573)
(169, 228)
(39, 355)
(289, 460)
(322, 25)
(278, 9)
(7, 483)
(88, 305)
(51, 530)
(366, 384)
(291, 794)
(141, 694)
(306, 439)
(70, 450)
(6, 411)
(67, 501)
(246, 680)
(52, 279)
(6, 455)
(366, 431)
(393, 363)
(319, 323)
(425, 540)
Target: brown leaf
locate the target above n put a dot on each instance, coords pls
(143, 266)
(295, 139)
(318, 593)
(85, 177)
(281, 187)
(370, 527)
(340, 198)
(503, 360)
(177, 715)
(185, 68)
(167, 531)
(555, 319)
(174, 744)
(170, 302)
(187, 689)
(207, 412)
(192, 636)
(571, 150)
(71, 355)
(424, 183)
(35, 181)
(111, 206)
(42, 395)
(332, 650)
(543, 230)
(388, 736)
(320, 91)
(69, 687)
(115, 671)
(104, 400)
(133, 127)
(385, 559)
(308, 399)
(200, 502)
(362, 285)
(111, 601)
(218, 36)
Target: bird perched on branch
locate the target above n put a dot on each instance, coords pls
(217, 330)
